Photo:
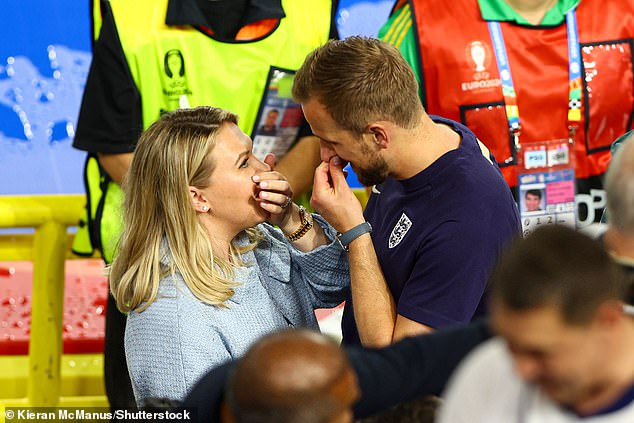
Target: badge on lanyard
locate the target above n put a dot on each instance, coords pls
(279, 117)
(546, 184)
(546, 169)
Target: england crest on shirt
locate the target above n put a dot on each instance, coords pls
(400, 230)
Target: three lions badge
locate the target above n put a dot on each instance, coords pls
(400, 230)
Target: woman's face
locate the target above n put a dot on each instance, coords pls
(231, 192)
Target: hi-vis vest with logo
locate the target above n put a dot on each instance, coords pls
(461, 80)
(175, 67)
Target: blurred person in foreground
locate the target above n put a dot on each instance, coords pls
(618, 238)
(565, 338)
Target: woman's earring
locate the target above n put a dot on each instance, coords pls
(205, 208)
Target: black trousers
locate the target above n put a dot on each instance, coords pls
(117, 378)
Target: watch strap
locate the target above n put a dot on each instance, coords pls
(350, 235)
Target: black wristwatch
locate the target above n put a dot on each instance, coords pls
(350, 235)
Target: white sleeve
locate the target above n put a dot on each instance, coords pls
(484, 388)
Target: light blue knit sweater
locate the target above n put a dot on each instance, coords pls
(171, 344)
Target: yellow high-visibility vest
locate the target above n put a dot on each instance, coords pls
(180, 66)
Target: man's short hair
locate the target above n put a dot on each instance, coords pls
(360, 80)
(556, 265)
(619, 187)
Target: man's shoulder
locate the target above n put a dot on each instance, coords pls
(489, 356)
(473, 174)
(471, 182)
(487, 366)
(484, 387)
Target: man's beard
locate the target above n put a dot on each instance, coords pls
(376, 172)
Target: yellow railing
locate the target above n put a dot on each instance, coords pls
(50, 216)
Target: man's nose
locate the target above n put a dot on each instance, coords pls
(326, 152)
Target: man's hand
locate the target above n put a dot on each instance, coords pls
(332, 197)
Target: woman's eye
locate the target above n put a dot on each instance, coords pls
(244, 164)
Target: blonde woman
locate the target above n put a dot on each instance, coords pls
(201, 270)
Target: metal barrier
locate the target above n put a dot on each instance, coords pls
(47, 248)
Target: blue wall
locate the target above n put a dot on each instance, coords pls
(44, 59)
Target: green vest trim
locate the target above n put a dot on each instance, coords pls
(498, 10)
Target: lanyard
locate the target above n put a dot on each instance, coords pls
(508, 88)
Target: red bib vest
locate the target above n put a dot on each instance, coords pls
(461, 81)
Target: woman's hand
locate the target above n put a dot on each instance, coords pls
(274, 193)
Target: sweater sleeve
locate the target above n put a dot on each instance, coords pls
(325, 270)
(323, 273)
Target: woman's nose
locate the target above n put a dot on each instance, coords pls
(261, 166)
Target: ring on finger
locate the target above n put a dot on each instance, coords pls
(287, 203)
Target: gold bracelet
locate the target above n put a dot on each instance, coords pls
(303, 229)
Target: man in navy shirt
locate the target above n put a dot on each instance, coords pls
(440, 211)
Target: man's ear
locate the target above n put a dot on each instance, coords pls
(380, 134)
(199, 202)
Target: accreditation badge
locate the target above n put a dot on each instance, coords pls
(546, 184)
(279, 117)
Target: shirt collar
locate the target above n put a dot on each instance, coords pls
(187, 12)
(499, 10)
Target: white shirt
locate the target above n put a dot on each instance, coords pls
(486, 389)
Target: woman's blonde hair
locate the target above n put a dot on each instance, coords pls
(171, 155)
